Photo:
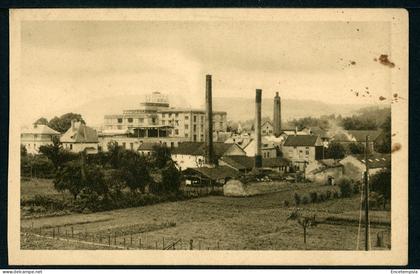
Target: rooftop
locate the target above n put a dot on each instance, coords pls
(79, 133)
(215, 173)
(39, 129)
(301, 140)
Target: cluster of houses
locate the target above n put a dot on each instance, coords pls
(281, 150)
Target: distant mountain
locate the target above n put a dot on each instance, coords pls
(238, 109)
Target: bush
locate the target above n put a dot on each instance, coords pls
(322, 197)
(41, 201)
(306, 200)
(36, 166)
(336, 195)
(297, 199)
(314, 197)
(346, 186)
(286, 203)
(328, 195)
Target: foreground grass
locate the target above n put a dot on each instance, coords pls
(213, 222)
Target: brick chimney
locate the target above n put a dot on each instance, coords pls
(209, 115)
(257, 128)
(277, 115)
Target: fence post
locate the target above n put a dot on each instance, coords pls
(163, 242)
(124, 241)
(66, 234)
(199, 245)
(140, 243)
(131, 239)
(218, 244)
(53, 233)
(115, 238)
(156, 246)
(58, 231)
(85, 233)
(72, 232)
(191, 244)
(109, 239)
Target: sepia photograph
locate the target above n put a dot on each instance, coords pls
(209, 136)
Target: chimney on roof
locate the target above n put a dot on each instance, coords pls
(277, 115)
(257, 127)
(72, 123)
(209, 114)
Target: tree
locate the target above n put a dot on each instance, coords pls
(56, 153)
(115, 153)
(63, 123)
(41, 121)
(356, 148)
(23, 151)
(384, 146)
(171, 178)
(304, 221)
(346, 186)
(69, 177)
(381, 183)
(161, 155)
(134, 171)
(335, 151)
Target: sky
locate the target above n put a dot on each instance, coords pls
(71, 63)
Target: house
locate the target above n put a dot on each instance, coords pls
(267, 128)
(37, 135)
(192, 154)
(207, 176)
(359, 136)
(324, 171)
(80, 137)
(245, 164)
(302, 150)
(268, 150)
(146, 149)
(355, 165)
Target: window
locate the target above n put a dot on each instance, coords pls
(201, 127)
(176, 123)
(176, 115)
(130, 120)
(71, 146)
(119, 127)
(163, 115)
(131, 146)
(195, 128)
(123, 145)
(176, 131)
(195, 118)
(202, 119)
(153, 120)
(195, 138)
(186, 135)
(307, 152)
(186, 117)
(120, 120)
(202, 137)
(186, 126)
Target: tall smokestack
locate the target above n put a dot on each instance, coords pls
(277, 115)
(258, 157)
(209, 114)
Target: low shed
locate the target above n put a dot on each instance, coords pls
(209, 175)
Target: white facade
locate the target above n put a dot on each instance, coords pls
(36, 136)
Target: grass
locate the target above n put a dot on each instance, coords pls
(213, 222)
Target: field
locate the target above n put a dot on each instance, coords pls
(213, 222)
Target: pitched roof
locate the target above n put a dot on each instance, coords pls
(330, 162)
(301, 140)
(245, 162)
(360, 135)
(39, 129)
(199, 148)
(148, 146)
(375, 160)
(214, 173)
(80, 133)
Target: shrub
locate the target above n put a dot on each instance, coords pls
(297, 199)
(36, 166)
(286, 203)
(306, 200)
(328, 195)
(346, 186)
(41, 201)
(336, 195)
(314, 197)
(322, 197)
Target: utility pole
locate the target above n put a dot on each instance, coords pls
(366, 196)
